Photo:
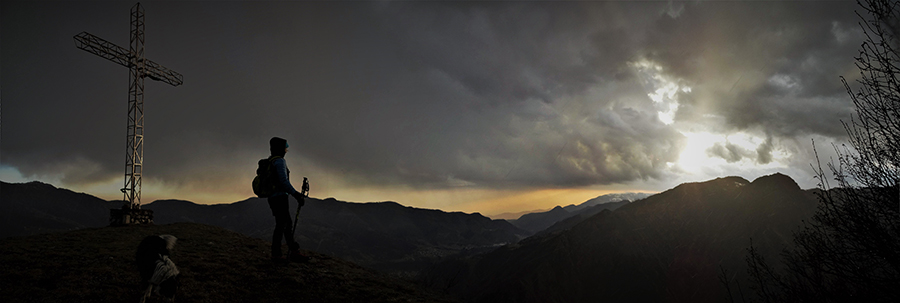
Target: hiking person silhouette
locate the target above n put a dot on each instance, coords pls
(278, 202)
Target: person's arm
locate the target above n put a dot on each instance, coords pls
(282, 181)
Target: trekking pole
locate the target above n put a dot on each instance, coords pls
(304, 192)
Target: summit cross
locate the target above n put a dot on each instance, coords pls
(139, 68)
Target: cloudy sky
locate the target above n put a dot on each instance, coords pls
(473, 106)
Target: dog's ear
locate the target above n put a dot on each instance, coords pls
(170, 241)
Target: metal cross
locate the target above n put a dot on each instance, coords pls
(139, 67)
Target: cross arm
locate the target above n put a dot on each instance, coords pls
(161, 73)
(123, 57)
(103, 48)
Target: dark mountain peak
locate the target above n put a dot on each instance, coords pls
(36, 207)
(614, 198)
(31, 186)
(591, 213)
(690, 196)
(172, 202)
(729, 181)
(248, 200)
(176, 201)
(721, 182)
(667, 247)
(776, 181)
(39, 185)
(388, 204)
(536, 222)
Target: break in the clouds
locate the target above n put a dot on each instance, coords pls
(431, 95)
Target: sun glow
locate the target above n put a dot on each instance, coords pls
(707, 153)
(718, 153)
(694, 154)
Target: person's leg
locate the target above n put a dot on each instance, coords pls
(293, 247)
(279, 208)
(287, 229)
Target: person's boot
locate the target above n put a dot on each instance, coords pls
(295, 256)
(277, 258)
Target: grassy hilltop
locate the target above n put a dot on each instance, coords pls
(217, 265)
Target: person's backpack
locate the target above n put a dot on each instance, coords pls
(264, 182)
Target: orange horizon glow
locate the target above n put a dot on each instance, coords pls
(488, 202)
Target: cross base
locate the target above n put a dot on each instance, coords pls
(127, 216)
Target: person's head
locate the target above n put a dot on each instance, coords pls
(278, 146)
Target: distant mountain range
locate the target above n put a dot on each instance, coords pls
(539, 221)
(672, 246)
(35, 207)
(385, 236)
(515, 215)
(669, 247)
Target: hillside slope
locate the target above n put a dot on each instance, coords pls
(669, 247)
(386, 236)
(582, 215)
(35, 207)
(217, 265)
(536, 222)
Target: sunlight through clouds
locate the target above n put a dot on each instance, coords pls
(664, 90)
(708, 153)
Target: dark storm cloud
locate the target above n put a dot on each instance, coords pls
(729, 151)
(732, 153)
(507, 74)
(433, 95)
(764, 152)
(773, 66)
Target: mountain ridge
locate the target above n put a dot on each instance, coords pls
(385, 235)
(668, 247)
(32, 207)
(537, 222)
